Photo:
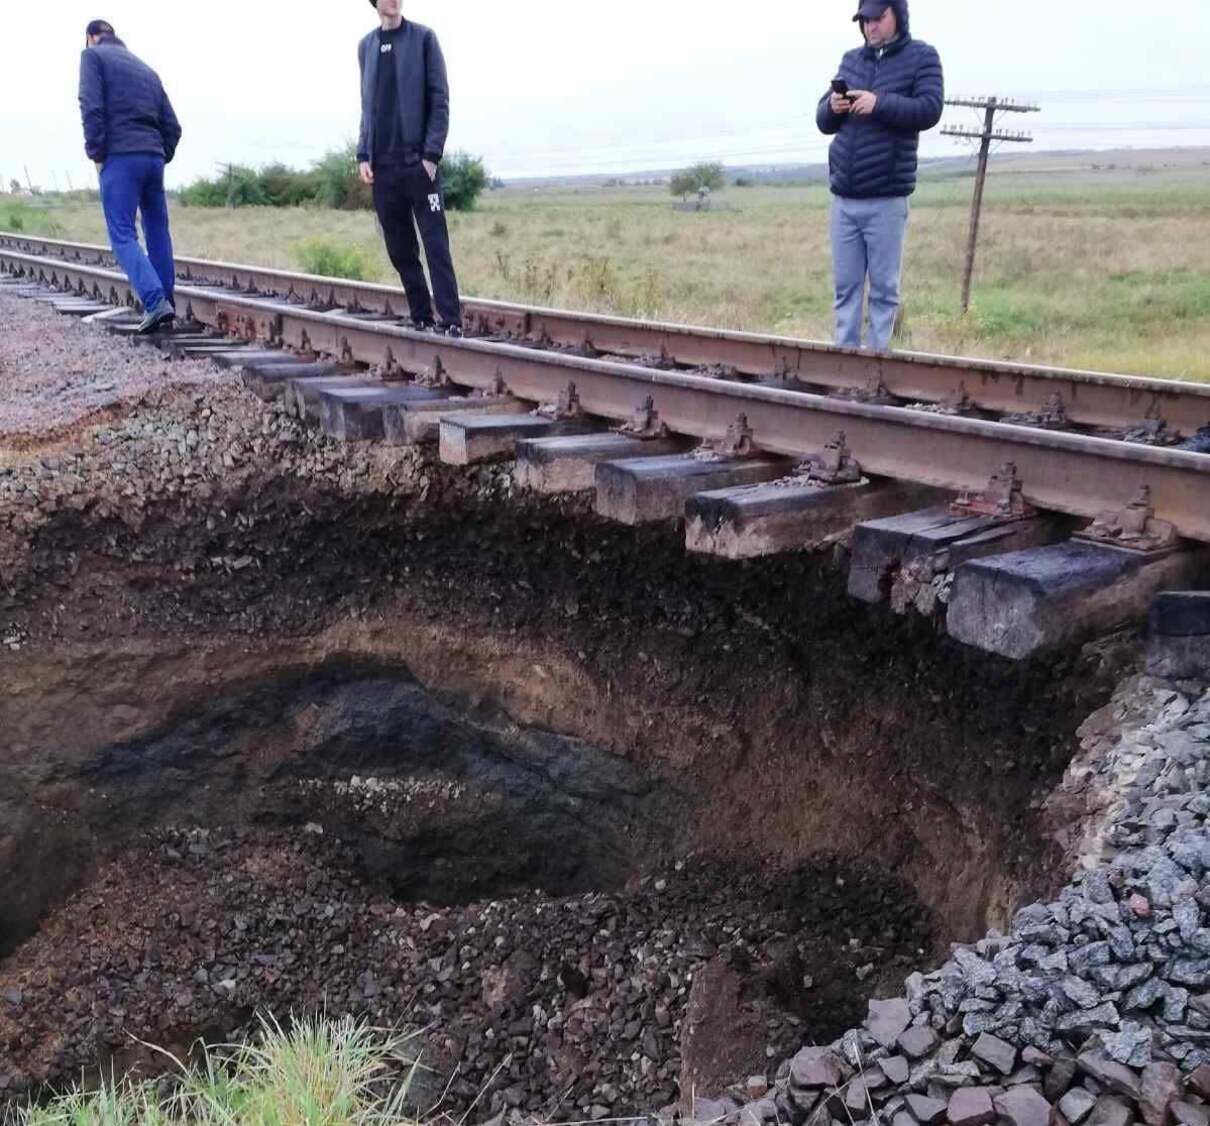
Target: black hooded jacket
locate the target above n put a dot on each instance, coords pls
(874, 156)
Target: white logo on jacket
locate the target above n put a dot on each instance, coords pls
(435, 202)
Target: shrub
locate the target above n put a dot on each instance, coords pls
(465, 178)
(318, 256)
(332, 181)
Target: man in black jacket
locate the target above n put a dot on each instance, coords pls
(405, 117)
(131, 132)
(891, 90)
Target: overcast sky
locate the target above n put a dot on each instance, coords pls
(558, 87)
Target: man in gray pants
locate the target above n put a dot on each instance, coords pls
(885, 94)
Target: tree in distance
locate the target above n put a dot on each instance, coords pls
(707, 174)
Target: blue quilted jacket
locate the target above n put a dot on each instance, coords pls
(874, 156)
(123, 105)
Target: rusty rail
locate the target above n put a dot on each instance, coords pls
(1070, 473)
(1090, 399)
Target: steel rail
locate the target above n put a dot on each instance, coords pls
(1069, 473)
(1090, 399)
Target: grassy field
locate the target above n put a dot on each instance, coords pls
(1090, 261)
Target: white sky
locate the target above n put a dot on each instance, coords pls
(557, 87)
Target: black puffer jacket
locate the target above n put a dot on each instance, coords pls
(123, 105)
(874, 156)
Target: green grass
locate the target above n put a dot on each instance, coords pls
(1080, 263)
(316, 1073)
(320, 256)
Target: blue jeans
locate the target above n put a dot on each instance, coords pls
(132, 183)
(867, 240)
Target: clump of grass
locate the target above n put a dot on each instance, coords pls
(320, 256)
(318, 1071)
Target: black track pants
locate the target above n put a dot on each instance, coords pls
(405, 198)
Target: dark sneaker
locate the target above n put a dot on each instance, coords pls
(453, 330)
(154, 319)
(423, 326)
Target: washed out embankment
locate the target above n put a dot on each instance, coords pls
(405, 678)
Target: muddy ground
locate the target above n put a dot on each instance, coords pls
(213, 619)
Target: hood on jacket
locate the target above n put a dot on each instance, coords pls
(901, 18)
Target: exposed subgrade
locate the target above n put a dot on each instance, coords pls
(286, 718)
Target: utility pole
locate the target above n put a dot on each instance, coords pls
(990, 107)
(28, 182)
(229, 171)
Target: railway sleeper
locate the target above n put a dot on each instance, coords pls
(1022, 602)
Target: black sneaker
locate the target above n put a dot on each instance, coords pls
(423, 326)
(454, 331)
(155, 319)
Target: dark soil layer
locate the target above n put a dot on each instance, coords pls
(473, 694)
(786, 715)
(551, 1006)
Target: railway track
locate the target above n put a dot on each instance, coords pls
(916, 464)
(1152, 411)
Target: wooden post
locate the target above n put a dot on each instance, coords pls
(985, 136)
(972, 238)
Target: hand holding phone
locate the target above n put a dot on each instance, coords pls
(840, 100)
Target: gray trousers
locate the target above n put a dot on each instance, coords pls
(867, 239)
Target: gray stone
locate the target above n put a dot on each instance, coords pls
(815, 1068)
(925, 1110)
(896, 1069)
(1127, 977)
(1023, 1106)
(1102, 1015)
(757, 1112)
(888, 1020)
(1188, 917)
(996, 1053)
(1121, 943)
(1112, 1075)
(970, 1106)
(974, 1024)
(1176, 1001)
(1131, 1046)
(1189, 1114)
(1080, 992)
(1144, 996)
(974, 969)
(918, 1042)
(1026, 1074)
(1109, 1111)
(1077, 1105)
(1159, 1088)
(1190, 971)
(857, 1100)
(1059, 1078)
(1096, 886)
(1199, 1081)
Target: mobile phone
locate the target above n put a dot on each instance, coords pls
(841, 87)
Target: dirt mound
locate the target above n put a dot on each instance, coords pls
(550, 1005)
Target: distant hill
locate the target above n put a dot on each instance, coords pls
(938, 168)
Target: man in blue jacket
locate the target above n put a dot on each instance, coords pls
(893, 91)
(405, 117)
(131, 132)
